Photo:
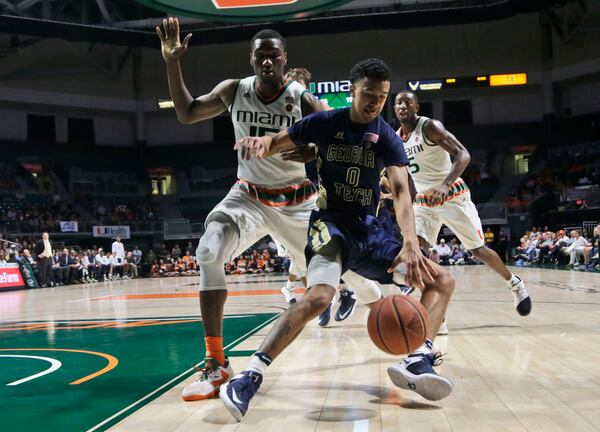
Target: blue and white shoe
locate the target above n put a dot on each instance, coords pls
(406, 290)
(347, 303)
(237, 393)
(416, 373)
(325, 316)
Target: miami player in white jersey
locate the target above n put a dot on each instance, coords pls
(442, 196)
(270, 197)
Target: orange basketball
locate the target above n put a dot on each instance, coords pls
(398, 324)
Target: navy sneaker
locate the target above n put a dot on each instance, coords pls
(325, 316)
(416, 373)
(347, 303)
(406, 290)
(237, 393)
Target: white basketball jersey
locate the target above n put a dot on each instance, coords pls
(429, 163)
(253, 117)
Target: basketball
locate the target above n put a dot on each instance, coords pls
(398, 324)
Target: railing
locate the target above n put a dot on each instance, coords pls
(84, 228)
(492, 213)
(178, 229)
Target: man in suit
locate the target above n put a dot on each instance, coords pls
(43, 250)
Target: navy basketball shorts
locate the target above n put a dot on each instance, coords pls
(362, 244)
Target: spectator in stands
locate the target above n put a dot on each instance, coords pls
(443, 251)
(502, 246)
(118, 252)
(489, 238)
(434, 256)
(458, 256)
(43, 250)
(162, 252)
(544, 246)
(65, 263)
(149, 261)
(592, 260)
(190, 248)
(131, 269)
(562, 242)
(137, 255)
(27, 257)
(176, 251)
(575, 249)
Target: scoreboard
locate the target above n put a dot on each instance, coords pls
(335, 93)
(495, 80)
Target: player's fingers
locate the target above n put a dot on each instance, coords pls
(416, 275)
(394, 264)
(172, 28)
(166, 28)
(425, 272)
(432, 271)
(160, 35)
(176, 25)
(186, 41)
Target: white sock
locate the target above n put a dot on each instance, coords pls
(259, 362)
(426, 348)
(289, 285)
(513, 281)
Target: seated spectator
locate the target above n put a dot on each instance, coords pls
(434, 256)
(575, 249)
(443, 251)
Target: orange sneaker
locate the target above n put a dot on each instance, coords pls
(208, 383)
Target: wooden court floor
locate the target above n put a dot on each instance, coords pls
(539, 373)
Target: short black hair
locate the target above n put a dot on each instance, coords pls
(370, 68)
(267, 34)
(410, 92)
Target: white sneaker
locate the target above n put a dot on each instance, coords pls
(212, 376)
(289, 295)
(416, 373)
(443, 331)
(521, 297)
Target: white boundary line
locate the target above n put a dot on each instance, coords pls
(177, 377)
(54, 365)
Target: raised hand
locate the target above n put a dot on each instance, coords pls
(171, 47)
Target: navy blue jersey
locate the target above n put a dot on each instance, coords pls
(350, 158)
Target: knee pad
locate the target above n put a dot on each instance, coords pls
(215, 247)
(218, 242)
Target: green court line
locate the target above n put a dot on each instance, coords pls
(127, 411)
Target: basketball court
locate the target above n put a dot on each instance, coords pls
(115, 357)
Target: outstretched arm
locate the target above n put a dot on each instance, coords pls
(265, 146)
(436, 132)
(418, 268)
(190, 110)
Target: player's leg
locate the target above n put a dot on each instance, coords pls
(460, 214)
(324, 273)
(428, 227)
(227, 233)
(288, 289)
(416, 371)
(219, 240)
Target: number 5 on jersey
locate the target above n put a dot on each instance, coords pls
(414, 167)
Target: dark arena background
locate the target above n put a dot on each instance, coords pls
(97, 334)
